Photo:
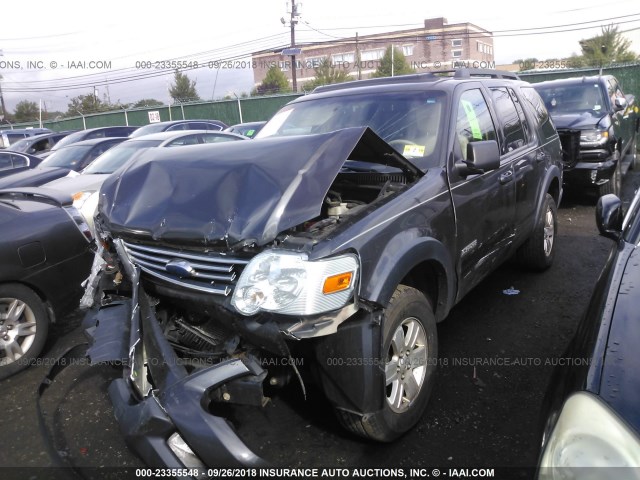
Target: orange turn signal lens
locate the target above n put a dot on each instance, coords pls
(337, 283)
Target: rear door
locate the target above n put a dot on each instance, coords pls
(519, 146)
(484, 203)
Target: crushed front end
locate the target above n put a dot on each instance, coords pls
(589, 157)
(207, 306)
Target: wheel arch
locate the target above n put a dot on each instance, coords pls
(552, 186)
(422, 263)
(45, 301)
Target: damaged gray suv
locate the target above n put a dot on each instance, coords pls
(353, 223)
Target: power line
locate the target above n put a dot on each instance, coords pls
(235, 52)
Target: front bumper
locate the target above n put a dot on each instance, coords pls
(590, 173)
(177, 402)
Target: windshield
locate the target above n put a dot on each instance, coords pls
(409, 121)
(69, 139)
(67, 157)
(572, 98)
(147, 129)
(114, 158)
(21, 145)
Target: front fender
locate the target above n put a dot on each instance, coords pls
(406, 251)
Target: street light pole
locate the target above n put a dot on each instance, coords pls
(84, 122)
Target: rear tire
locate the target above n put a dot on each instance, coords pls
(24, 324)
(409, 357)
(539, 250)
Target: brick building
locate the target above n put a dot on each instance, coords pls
(438, 45)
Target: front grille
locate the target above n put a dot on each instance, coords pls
(208, 272)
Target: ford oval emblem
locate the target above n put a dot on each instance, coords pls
(181, 268)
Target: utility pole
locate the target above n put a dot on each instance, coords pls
(293, 22)
(392, 59)
(358, 61)
(4, 109)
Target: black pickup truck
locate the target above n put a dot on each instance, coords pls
(598, 127)
(326, 250)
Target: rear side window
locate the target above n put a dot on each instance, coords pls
(5, 162)
(19, 161)
(179, 126)
(512, 129)
(188, 140)
(537, 108)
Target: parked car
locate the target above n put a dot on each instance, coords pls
(66, 161)
(89, 134)
(84, 187)
(351, 225)
(170, 126)
(590, 414)
(598, 126)
(40, 143)
(249, 129)
(9, 137)
(13, 162)
(44, 256)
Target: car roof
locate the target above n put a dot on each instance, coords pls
(436, 77)
(187, 120)
(32, 131)
(175, 134)
(37, 138)
(94, 141)
(572, 80)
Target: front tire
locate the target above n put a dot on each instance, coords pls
(24, 325)
(409, 357)
(634, 165)
(539, 250)
(614, 185)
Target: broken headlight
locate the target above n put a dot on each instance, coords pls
(290, 284)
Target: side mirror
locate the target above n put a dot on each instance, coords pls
(620, 104)
(481, 157)
(609, 216)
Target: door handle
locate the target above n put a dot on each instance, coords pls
(506, 177)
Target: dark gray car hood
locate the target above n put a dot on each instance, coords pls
(33, 177)
(579, 120)
(235, 191)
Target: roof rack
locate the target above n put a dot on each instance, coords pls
(479, 72)
(421, 77)
(413, 78)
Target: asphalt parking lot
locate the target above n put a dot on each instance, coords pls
(497, 352)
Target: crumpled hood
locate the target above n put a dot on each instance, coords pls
(235, 191)
(579, 121)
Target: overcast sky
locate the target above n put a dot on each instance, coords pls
(121, 33)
